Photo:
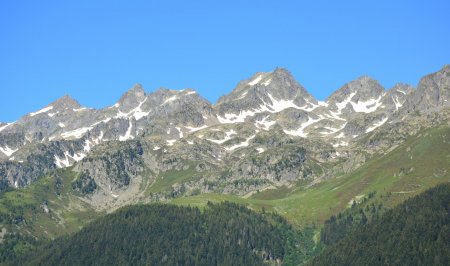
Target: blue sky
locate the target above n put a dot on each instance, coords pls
(96, 50)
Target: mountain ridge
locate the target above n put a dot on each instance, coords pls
(226, 142)
(243, 81)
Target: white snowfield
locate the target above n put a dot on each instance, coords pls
(367, 106)
(275, 106)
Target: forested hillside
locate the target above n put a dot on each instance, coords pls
(416, 232)
(224, 234)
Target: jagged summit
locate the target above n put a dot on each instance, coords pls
(362, 87)
(65, 102)
(433, 91)
(264, 92)
(132, 97)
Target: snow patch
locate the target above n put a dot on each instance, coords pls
(397, 102)
(230, 118)
(77, 133)
(321, 103)
(242, 144)
(228, 135)
(43, 110)
(168, 100)
(260, 150)
(61, 124)
(156, 148)
(275, 107)
(180, 132)
(264, 124)
(127, 135)
(65, 161)
(280, 105)
(99, 138)
(255, 81)
(137, 112)
(340, 136)
(344, 103)
(332, 130)
(299, 132)
(5, 126)
(170, 142)
(193, 129)
(243, 95)
(267, 82)
(367, 106)
(87, 145)
(340, 143)
(376, 125)
(7, 150)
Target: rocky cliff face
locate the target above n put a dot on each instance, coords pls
(269, 131)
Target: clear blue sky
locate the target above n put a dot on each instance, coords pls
(96, 50)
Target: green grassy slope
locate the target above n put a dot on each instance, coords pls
(44, 210)
(419, 163)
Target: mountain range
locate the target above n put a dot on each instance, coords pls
(267, 133)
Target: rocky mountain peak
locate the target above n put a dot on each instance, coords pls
(402, 88)
(132, 97)
(433, 91)
(65, 102)
(361, 89)
(266, 92)
(284, 80)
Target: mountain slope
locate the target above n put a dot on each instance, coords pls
(265, 116)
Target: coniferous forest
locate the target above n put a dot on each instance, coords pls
(223, 234)
(416, 232)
